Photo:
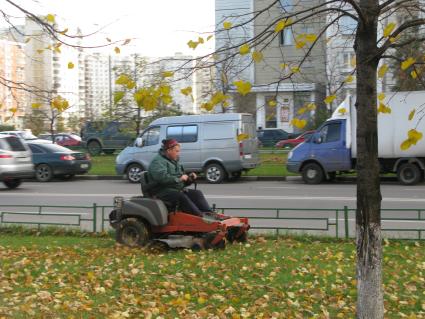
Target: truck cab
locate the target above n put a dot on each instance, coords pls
(323, 154)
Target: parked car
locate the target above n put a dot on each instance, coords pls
(25, 134)
(291, 143)
(270, 136)
(63, 139)
(106, 137)
(209, 144)
(52, 160)
(15, 161)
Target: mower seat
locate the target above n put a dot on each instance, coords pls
(152, 210)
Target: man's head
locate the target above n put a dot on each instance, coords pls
(171, 149)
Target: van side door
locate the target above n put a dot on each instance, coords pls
(188, 137)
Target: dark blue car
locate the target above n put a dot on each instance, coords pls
(52, 160)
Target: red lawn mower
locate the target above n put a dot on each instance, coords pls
(141, 221)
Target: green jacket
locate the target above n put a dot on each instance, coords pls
(165, 174)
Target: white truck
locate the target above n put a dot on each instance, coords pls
(333, 149)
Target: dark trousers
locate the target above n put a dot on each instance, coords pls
(190, 201)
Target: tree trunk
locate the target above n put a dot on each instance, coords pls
(370, 303)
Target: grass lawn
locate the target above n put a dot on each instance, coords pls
(271, 165)
(92, 277)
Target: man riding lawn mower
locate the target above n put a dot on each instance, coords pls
(171, 215)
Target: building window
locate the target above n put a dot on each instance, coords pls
(270, 112)
(286, 37)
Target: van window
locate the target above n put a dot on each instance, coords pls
(184, 133)
(151, 136)
(331, 133)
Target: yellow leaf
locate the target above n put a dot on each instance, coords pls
(407, 63)
(353, 61)
(127, 41)
(414, 135)
(257, 56)
(167, 74)
(242, 87)
(13, 109)
(201, 300)
(227, 25)
(301, 110)
(412, 114)
(27, 40)
(282, 24)
(70, 65)
(200, 40)
(310, 37)
(123, 79)
(186, 91)
(349, 79)
(342, 111)
(295, 69)
(389, 29)
(311, 106)
(57, 49)
(209, 37)
(207, 106)
(381, 96)
(272, 103)
(108, 39)
(192, 44)
(382, 70)
(298, 123)
(118, 96)
(413, 74)
(382, 108)
(131, 85)
(166, 99)
(50, 18)
(405, 145)
(244, 49)
(64, 31)
(329, 99)
(242, 137)
(117, 50)
(283, 65)
(36, 105)
(299, 44)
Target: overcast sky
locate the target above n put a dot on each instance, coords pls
(161, 27)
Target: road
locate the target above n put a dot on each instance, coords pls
(259, 196)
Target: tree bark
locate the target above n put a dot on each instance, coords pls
(370, 303)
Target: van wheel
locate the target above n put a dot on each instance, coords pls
(12, 183)
(409, 174)
(134, 173)
(43, 173)
(214, 173)
(312, 173)
(132, 232)
(94, 148)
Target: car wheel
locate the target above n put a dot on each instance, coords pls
(132, 232)
(43, 173)
(94, 148)
(214, 173)
(409, 174)
(12, 183)
(134, 173)
(312, 173)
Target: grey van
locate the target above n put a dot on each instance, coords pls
(209, 145)
(15, 161)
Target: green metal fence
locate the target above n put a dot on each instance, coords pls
(337, 222)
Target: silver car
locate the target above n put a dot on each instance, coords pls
(15, 161)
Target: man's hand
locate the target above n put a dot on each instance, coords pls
(193, 176)
(184, 178)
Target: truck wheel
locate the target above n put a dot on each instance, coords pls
(43, 173)
(94, 148)
(409, 174)
(132, 232)
(134, 173)
(312, 173)
(214, 173)
(12, 183)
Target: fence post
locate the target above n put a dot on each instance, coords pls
(336, 223)
(346, 221)
(94, 217)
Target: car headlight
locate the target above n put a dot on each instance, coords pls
(290, 155)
